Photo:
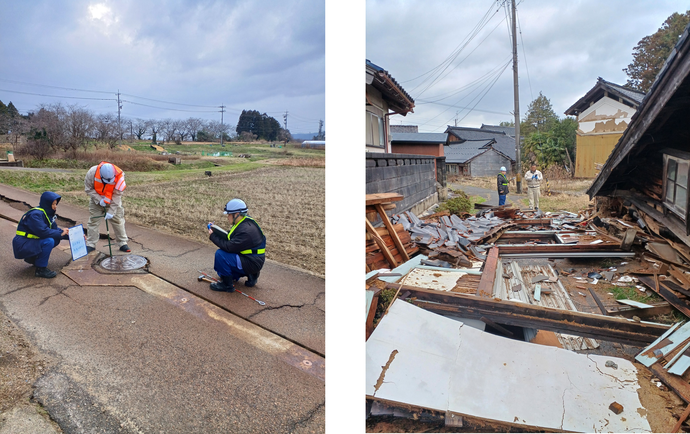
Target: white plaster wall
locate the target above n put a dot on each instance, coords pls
(606, 116)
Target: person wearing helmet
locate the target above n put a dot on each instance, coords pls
(105, 184)
(241, 252)
(38, 233)
(502, 187)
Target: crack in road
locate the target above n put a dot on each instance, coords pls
(162, 252)
(18, 289)
(298, 306)
(307, 417)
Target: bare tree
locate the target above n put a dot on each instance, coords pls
(194, 125)
(155, 127)
(140, 127)
(79, 125)
(51, 122)
(106, 129)
(169, 129)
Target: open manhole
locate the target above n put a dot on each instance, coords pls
(123, 263)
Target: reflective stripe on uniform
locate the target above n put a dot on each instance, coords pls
(24, 234)
(249, 251)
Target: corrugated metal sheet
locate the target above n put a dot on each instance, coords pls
(558, 297)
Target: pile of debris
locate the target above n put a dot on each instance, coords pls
(466, 272)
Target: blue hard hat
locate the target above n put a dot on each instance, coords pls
(234, 206)
(503, 169)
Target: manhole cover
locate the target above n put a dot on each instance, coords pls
(123, 262)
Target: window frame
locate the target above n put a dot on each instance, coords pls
(679, 158)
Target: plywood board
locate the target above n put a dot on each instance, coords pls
(422, 359)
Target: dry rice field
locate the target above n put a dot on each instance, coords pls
(288, 202)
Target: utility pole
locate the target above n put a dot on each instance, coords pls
(222, 130)
(456, 118)
(517, 105)
(285, 118)
(119, 125)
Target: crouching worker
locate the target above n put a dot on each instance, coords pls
(38, 234)
(241, 252)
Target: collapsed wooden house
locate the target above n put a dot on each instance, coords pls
(648, 171)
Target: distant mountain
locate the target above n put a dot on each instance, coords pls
(303, 136)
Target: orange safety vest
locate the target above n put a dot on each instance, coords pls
(106, 190)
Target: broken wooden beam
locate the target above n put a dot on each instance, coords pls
(392, 232)
(486, 283)
(382, 245)
(373, 199)
(542, 318)
(666, 294)
(598, 302)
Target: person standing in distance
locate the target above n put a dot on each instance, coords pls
(502, 186)
(533, 178)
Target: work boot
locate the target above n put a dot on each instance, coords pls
(251, 280)
(30, 260)
(44, 272)
(225, 285)
(125, 248)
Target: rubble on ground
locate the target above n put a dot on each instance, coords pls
(501, 271)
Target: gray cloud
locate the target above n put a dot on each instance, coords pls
(263, 55)
(563, 47)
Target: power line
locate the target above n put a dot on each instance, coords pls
(524, 55)
(54, 87)
(453, 53)
(166, 108)
(168, 102)
(58, 96)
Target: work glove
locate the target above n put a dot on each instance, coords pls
(102, 202)
(108, 216)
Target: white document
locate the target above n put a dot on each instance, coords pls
(77, 243)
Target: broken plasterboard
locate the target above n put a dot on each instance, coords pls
(418, 358)
(437, 279)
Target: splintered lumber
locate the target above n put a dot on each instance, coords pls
(373, 199)
(392, 232)
(643, 313)
(382, 245)
(675, 383)
(486, 284)
(598, 302)
(666, 294)
(542, 318)
(681, 419)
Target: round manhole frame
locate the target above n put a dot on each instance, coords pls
(138, 264)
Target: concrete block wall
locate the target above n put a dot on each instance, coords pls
(413, 176)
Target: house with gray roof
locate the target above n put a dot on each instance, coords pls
(478, 152)
(603, 114)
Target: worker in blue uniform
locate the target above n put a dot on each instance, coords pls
(241, 252)
(38, 234)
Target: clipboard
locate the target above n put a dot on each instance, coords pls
(77, 243)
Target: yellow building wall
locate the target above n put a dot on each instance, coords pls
(593, 149)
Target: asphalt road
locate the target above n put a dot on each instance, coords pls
(160, 352)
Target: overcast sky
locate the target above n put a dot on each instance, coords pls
(261, 55)
(563, 46)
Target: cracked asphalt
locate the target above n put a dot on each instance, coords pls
(161, 352)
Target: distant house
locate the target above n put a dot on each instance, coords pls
(649, 168)
(478, 152)
(602, 114)
(508, 131)
(419, 143)
(384, 97)
(404, 129)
